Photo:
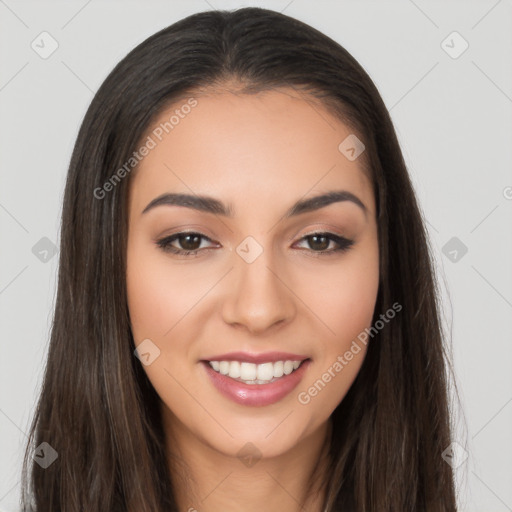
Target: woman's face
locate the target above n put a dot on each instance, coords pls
(259, 288)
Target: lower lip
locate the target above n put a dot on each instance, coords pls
(256, 395)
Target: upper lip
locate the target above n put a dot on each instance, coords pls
(264, 357)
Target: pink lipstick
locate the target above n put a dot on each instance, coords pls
(256, 379)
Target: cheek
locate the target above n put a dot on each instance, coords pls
(147, 299)
(159, 295)
(343, 296)
(349, 303)
(344, 299)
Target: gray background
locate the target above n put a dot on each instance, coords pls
(453, 118)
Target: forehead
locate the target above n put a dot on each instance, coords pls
(276, 146)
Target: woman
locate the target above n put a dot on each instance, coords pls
(246, 314)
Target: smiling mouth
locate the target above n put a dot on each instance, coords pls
(251, 373)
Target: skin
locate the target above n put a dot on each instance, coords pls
(260, 154)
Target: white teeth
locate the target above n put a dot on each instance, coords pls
(265, 371)
(251, 373)
(278, 369)
(234, 369)
(224, 367)
(247, 371)
(288, 367)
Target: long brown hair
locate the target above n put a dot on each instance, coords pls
(97, 408)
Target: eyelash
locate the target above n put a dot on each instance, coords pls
(344, 243)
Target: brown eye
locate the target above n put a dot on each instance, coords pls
(189, 242)
(320, 242)
(184, 243)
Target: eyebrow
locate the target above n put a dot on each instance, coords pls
(211, 205)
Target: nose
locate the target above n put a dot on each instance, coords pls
(258, 296)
